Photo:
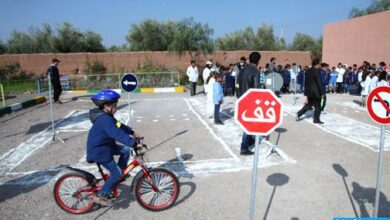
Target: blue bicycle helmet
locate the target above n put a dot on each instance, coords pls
(104, 97)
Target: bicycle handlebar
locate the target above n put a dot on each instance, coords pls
(139, 145)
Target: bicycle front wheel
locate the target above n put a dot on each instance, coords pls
(162, 194)
(72, 193)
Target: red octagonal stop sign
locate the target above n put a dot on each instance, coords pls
(259, 111)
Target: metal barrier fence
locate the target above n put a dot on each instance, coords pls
(112, 81)
(88, 82)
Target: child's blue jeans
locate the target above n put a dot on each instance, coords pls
(115, 169)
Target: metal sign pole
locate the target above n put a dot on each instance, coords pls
(51, 112)
(273, 82)
(128, 95)
(51, 108)
(379, 172)
(254, 178)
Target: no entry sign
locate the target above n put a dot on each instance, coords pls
(378, 104)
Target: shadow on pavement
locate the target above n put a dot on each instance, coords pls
(343, 173)
(168, 139)
(127, 191)
(276, 179)
(24, 111)
(359, 102)
(363, 196)
(73, 119)
(227, 113)
(27, 183)
(366, 196)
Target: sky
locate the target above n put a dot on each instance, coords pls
(112, 18)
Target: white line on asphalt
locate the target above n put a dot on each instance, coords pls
(211, 130)
(180, 167)
(348, 129)
(17, 155)
(179, 156)
(351, 105)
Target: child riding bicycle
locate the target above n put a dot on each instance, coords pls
(102, 137)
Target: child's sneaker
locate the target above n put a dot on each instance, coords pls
(103, 200)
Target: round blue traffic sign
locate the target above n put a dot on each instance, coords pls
(129, 82)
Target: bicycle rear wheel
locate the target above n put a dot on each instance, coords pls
(72, 193)
(167, 189)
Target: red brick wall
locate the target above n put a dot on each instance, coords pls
(38, 63)
(358, 39)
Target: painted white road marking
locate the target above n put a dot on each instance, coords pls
(348, 129)
(181, 166)
(211, 130)
(75, 121)
(17, 155)
(352, 105)
(179, 156)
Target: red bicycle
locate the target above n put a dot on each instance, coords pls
(155, 189)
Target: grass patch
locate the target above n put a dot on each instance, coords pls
(17, 87)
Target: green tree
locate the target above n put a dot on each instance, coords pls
(116, 48)
(316, 52)
(150, 35)
(20, 42)
(238, 40)
(92, 42)
(265, 39)
(43, 38)
(68, 39)
(280, 44)
(193, 37)
(304, 42)
(3, 47)
(374, 7)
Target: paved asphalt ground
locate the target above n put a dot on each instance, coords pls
(317, 172)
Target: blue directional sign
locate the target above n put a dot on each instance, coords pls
(129, 82)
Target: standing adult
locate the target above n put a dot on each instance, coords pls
(286, 78)
(301, 79)
(55, 79)
(238, 68)
(293, 74)
(249, 77)
(313, 92)
(210, 94)
(193, 74)
(205, 74)
(272, 65)
(340, 77)
(365, 83)
(324, 83)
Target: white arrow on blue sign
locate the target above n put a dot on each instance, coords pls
(129, 82)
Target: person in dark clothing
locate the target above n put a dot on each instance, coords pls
(102, 137)
(313, 92)
(55, 79)
(249, 78)
(324, 81)
(286, 78)
(301, 79)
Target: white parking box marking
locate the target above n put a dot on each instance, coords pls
(211, 130)
(348, 129)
